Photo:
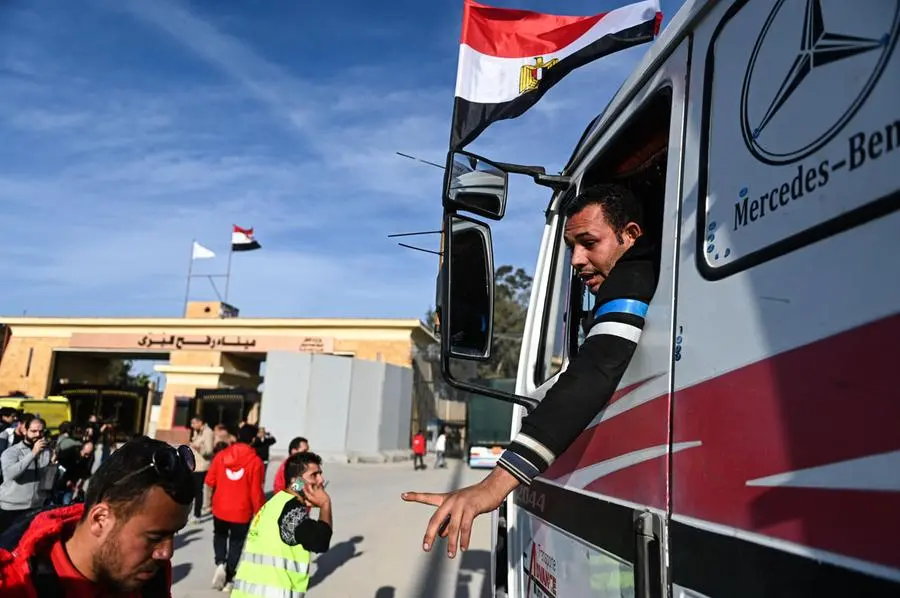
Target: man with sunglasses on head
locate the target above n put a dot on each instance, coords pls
(118, 543)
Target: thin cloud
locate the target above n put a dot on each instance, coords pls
(109, 171)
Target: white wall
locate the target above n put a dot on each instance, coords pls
(348, 408)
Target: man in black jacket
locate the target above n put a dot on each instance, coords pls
(604, 229)
(261, 444)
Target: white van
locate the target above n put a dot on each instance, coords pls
(753, 448)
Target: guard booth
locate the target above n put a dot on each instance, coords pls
(125, 407)
(227, 406)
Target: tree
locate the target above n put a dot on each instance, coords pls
(119, 373)
(512, 290)
(429, 318)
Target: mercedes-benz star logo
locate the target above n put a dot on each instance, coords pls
(780, 121)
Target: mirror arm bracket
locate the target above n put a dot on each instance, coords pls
(555, 182)
(527, 402)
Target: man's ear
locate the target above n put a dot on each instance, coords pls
(631, 232)
(100, 519)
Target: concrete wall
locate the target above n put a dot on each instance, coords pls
(285, 397)
(349, 409)
(328, 404)
(366, 409)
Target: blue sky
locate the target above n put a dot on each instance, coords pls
(131, 127)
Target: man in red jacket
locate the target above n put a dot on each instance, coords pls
(418, 446)
(118, 543)
(297, 445)
(236, 479)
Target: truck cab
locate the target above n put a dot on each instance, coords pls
(753, 438)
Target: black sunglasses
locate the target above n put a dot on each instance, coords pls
(165, 461)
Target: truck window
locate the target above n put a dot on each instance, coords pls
(556, 337)
(636, 158)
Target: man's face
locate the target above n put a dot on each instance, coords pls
(595, 246)
(303, 448)
(34, 431)
(131, 551)
(196, 424)
(313, 475)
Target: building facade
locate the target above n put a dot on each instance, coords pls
(210, 348)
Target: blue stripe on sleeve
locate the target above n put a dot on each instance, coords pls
(624, 306)
(520, 463)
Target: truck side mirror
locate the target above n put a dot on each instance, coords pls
(476, 185)
(467, 306)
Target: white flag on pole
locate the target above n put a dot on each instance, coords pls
(201, 253)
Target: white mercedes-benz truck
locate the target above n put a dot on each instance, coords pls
(753, 446)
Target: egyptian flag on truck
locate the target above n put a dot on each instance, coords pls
(509, 58)
(242, 239)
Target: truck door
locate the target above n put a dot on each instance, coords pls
(787, 322)
(593, 524)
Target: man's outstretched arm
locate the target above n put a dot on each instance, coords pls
(581, 392)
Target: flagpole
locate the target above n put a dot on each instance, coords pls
(228, 271)
(187, 290)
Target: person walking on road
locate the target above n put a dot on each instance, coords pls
(235, 478)
(276, 557)
(202, 443)
(440, 447)
(118, 543)
(418, 446)
(23, 467)
(297, 445)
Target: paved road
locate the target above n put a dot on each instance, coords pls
(376, 549)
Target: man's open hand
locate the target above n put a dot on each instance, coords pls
(457, 510)
(315, 495)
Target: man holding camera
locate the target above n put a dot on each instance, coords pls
(23, 467)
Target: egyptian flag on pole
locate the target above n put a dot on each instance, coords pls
(509, 58)
(242, 239)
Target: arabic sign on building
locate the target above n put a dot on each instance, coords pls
(230, 343)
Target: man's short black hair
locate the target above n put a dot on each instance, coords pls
(296, 442)
(247, 433)
(297, 463)
(620, 206)
(34, 418)
(126, 498)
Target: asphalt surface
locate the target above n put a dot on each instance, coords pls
(376, 550)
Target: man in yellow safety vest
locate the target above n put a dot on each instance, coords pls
(275, 560)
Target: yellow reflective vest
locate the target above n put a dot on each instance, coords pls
(270, 568)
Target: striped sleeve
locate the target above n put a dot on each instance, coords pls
(592, 377)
